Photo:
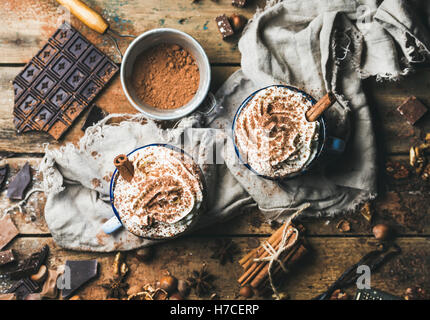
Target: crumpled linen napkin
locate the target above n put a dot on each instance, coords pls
(317, 45)
(77, 178)
(322, 46)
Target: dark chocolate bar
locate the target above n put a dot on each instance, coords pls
(412, 109)
(238, 3)
(31, 265)
(6, 257)
(23, 288)
(224, 26)
(60, 82)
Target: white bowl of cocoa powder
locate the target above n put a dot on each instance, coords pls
(165, 74)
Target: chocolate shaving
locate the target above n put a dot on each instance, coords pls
(20, 183)
(94, 115)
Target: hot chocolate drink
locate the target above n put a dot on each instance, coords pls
(273, 135)
(164, 195)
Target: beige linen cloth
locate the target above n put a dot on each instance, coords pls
(316, 45)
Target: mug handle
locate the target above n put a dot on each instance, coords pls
(209, 108)
(112, 225)
(335, 145)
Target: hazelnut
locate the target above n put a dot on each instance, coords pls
(183, 288)
(145, 254)
(238, 22)
(246, 292)
(176, 296)
(381, 232)
(416, 293)
(338, 294)
(169, 283)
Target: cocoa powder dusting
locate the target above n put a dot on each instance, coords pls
(165, 76)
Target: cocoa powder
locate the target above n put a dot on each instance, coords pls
(165, 76)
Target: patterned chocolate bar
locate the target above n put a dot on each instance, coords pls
(59, 83)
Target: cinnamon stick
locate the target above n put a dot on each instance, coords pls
(257, 265)
(264, 271)
(124, 166)
(252, 254)
(278, 273)
(322, 105)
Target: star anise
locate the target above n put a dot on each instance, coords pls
(201, 280)
(116, 288)
(225, 250)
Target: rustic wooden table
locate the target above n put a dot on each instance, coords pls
(27, 24)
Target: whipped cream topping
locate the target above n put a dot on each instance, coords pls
(164, 196)
(273, 134)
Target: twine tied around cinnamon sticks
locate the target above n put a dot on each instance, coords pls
(274, 255)
(259, 266)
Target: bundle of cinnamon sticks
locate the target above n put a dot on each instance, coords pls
(256, 273)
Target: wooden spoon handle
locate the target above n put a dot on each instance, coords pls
(322, 105)
(87, 15)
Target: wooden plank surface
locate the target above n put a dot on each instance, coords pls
(325, 263)
(394, 134)
(404, 205)
(27, 24)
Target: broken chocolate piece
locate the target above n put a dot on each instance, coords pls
(31, 265)
(60, 82)
(412, 109)
(20, 183)
(49, 289)
(23, 288)
(224, 26)
(95, 115)
(3, 175)
(80, 272)
(238, 3)
(6, 257)
(8, 231)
